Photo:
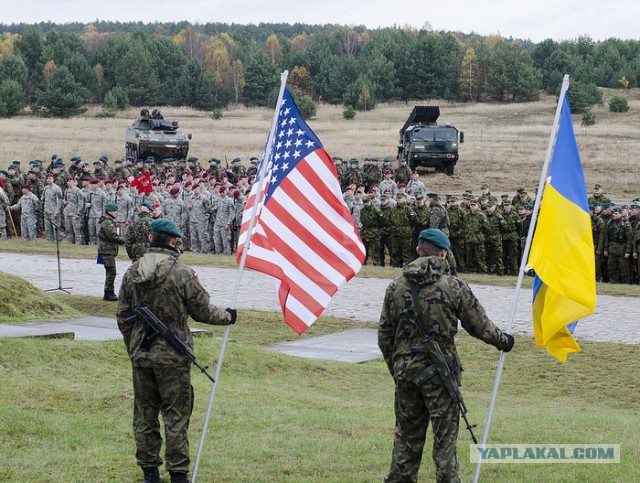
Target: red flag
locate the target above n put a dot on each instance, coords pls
(304, 235)
(143, 183)
(1, 183)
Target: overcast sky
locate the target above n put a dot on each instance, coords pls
(526, 19)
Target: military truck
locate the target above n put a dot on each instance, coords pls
(152, 135)
(423, 143)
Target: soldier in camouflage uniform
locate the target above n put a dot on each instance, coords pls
(108, 242)
(598, 196)
(420, 396)
(161, 376)
(52, 205)
(95, 203)
(136, 240)
(199, 206)
(475, 229)
(419, 220)
(74, 206)
(175, 209)
(372, 174)
(371, 219)
(225, 213)
(29, 206)
(456, 230)
(402, 173)
(493, 241)
(401, 232)
(618, 246)
(4, 204)
(510, 239)
(354, 173)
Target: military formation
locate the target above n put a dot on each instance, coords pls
(390, 205)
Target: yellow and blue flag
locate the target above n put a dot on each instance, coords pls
(562, 253)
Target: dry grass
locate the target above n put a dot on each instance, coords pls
(505, 144)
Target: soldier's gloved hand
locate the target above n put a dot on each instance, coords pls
(506, 347)
(234, 315)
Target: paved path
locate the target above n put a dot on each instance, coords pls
(617, 319)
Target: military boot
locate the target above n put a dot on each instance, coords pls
(151, 474)
(110, 296)
(178, 477)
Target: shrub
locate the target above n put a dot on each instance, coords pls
(216, 114)
(307, 107)
(618, 104)
(588, 118)
(349, 112)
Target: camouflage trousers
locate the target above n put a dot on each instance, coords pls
(49, 229)
(510, 254)
(401, 248)
(93, 227)
(75, 231)
(165, 391)
(618, 268)
(601, 268)
(371, 242)
(110, 272)
(222, 240)
(28, 228)
(475, 258)
(416, 407)
(199, 237)
(3, 222)
(493, 252)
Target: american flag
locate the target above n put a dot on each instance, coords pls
(303, 235)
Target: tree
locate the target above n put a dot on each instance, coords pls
(469, 80)
(273, 51)
(136, 73)
(588, 118)
(29, 47)
(582, 96)
(306, 106)
(195, 87)
(12, 97)
(511, 75)
(13, 68)
(61, 99)
(261, 80)
(361, 94)
(618, 104)
(301, 82)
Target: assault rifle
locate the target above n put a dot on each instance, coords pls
(155, 328)
(436, 356)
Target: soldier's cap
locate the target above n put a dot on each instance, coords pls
(32, 172)
(174, 191)
(75, 158)
(528, 206)
(49, 175)
(419, 197)
(119, 161)
(59, 162)
(148, 161)
(384, 197)
(484, 186)
(432, 195)
(597, 204)
(366, 199)
(17, 163)
(110, 207)
(70, 178)
(254, 161)
(26, 186)
(452, 198)
(388, 171)
(53, 156)
(97, 162)
(13, 167)
(491, 202)
(337, 158)
(235, 160)
(188, 183)
(617, 209)
(636, 199)
(472, 201)
(130, 158)
(192, 159)
(147, 205)
(354, 161)
(86, 178)
(436, 237)
(506, 201)
(522, 193)
(77, 162)
(591, 207)
(597, 186)
(520, 190)
(224, 174)
(400, 195)
(2, 171)
(94, 181)
(608, 204)
(253, 158)
(401, 185)
(104, 159)
(236, 194)
(166, 226)
(504, 196)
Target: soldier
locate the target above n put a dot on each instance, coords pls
(386, 228)
(238, 209)
(354, 173)
(618, 246)
(74, 207)
(29, 207)
(401, 232)
(419, 221)
(439, 300)
(598, 196)
(415, 186)
(402, 173)
(37, 188)
(388, 184)
(214, 168)
(456, 230)
(356, 207)
(598, 227)
(253, 169)
(372, 175)
(136, 240)
(96, 201)
(222, 225)
(496, 226)
(52, 205)
(370, 219)
(4, 205)
(175, 209)
(108, 241)
(199, 209)
(475, 227)
(126, 209)
(510, 238)
(162, 376)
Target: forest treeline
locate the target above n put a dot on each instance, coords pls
(57, 69)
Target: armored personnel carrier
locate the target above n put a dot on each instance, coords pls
(152, 135)
(425, 143)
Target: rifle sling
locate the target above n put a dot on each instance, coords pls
(149, 334)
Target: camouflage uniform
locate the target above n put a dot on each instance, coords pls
(95, 209)
(52, 205)
(599, 227)
(402, 173)
(371, 218)
(108, 241)
(510, 240)
(401, 233)
(419, 220)
(475, 257)
(456, 233)
(74, 206)
(386, 230)
(161, 376)
(493, 241)
(199, 206)
(420, 396)
(136, 240)
(29, 207)
(618, 244)
(4, 203)
(222, 226)
(176, 211)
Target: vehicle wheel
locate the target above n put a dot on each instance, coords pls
(413, 164)
(449, 168)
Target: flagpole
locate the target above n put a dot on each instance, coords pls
(523, 265)
(266, 159)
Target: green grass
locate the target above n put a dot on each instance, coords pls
(65, 408)
(223, 261)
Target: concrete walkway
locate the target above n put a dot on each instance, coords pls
(617, 319)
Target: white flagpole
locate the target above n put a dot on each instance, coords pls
(523, 264)
(266, 160)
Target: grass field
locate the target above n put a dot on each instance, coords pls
(65, 408)
(505, 144)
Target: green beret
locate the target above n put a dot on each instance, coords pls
(164, 225)
(608, 204)
(235, 160)
(192, 159)
(491, 202)
(104, 159)
(617, 209)
(432, 195)
(436, 237)
(400, 195)
(484, 186)
(597, 204)
(111, 207)
(419, 197)
(591, 207)
(32, 172)
(636, 199)
(386, 160)
(354, 161)
(2, 171)
(147, 205)
(528, 206)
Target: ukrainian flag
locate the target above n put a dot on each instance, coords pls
(562, 253)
